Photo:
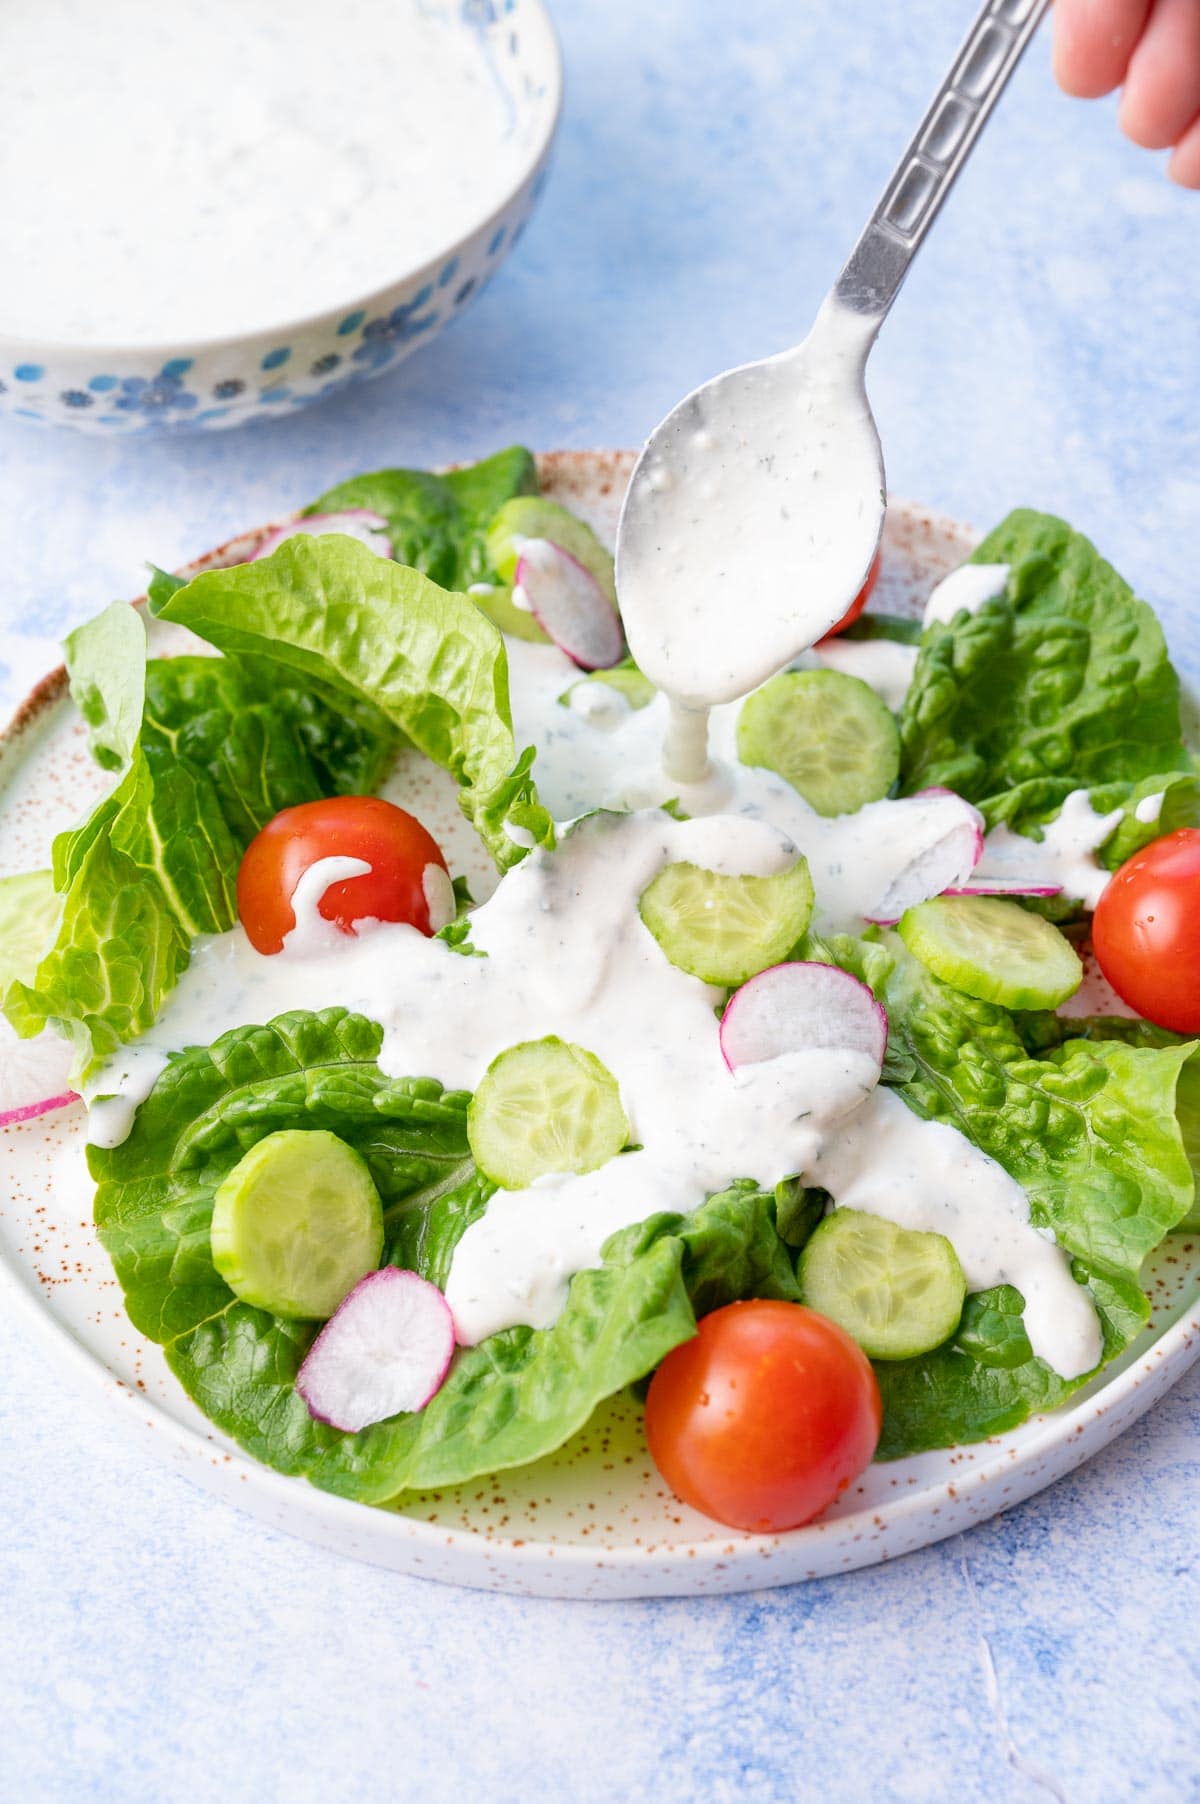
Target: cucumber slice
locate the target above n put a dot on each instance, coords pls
(726, 929)
(296, 1224)
(544, 1107)
(994, 949)
(531, 517)
(625, 678)
(895, 1291)
(828, 734)
(503, 612)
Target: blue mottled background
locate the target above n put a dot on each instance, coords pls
(714, 166)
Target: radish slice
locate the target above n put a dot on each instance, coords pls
(386, 1349)
(801, 1007)
(356, 522)
(568, 603)
(944, 864)
(34, 1076)
(31, 1110)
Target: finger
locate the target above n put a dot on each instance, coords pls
(1093, 41)
(1184, 166)
(1162, 86)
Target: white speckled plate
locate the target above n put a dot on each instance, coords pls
(593, 1520)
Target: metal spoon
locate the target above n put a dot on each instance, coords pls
(756, 507)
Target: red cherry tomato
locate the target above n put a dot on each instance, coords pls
(859, 603)
(1146, 931)
(393, 843)
(765, 1417)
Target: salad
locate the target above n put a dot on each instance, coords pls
(768, 1089)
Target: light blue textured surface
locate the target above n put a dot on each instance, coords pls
(715, 165)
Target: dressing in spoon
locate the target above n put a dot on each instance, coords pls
(756, 507)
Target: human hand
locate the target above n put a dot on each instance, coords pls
(1151, 49)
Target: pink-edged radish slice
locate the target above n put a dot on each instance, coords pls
(801, 1007)
(34, 1076)
(568, 603)
(385, 1350)
(359, 523)
(945, 862)
(31, 1110)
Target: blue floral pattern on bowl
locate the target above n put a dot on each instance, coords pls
(213, 386)
(161, 395)
(383, 337)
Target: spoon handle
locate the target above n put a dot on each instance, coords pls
(939, 147)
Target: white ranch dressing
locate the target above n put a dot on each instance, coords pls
(750, 525)
(965, 591)
(226, 964)
(599, 703)
(1065, 855)
(884, 665)
(567, 953)
(185, 172)
(116, 1092)
(926, 1175)
(855, 859)
(1150, 807)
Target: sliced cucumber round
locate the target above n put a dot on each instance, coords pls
(637, 688)
(895, 1291)
(625, 678)
(726, 929)
(543, 1107)
(532, 517)
(994, 949)
(296, 1224)
(827, 733)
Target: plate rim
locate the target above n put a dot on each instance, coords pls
(740, 1563)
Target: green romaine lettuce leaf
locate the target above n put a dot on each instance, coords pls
(509, 1400)
(438, 524)
(224, 745)
(1030, 807)
(1090, 1133)
(1040, 1032)
(328, 610)
(1064, 680)
(162, 584)
(106, 662)
(29, 915)
(1180, 808)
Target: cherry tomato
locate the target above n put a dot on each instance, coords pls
(393, 843)
(859, 603)
(1146, 931)
(765, 1417)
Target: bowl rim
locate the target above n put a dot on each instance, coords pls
(32, 349)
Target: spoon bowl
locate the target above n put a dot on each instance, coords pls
(752, 517)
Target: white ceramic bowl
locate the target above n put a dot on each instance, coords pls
(221, 382)
(593, 1520)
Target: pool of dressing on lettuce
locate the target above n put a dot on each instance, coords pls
(185, 172)
(567, 954)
